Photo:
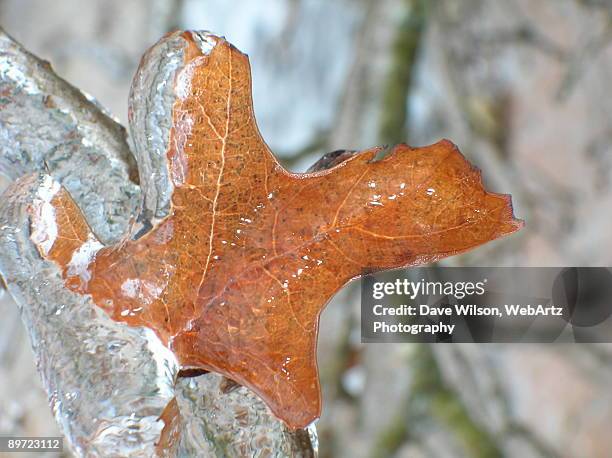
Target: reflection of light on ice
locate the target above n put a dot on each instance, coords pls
(81, 258)
(145, 291)
(45, 231)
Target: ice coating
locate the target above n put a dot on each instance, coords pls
(48, 125)
(83, 355)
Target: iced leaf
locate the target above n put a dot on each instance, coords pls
(234, 277)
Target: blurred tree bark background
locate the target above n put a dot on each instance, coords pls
(521, 86)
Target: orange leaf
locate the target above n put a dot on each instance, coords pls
(234, 279)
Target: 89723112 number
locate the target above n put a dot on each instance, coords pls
(29, 444)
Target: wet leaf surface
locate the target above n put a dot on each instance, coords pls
(234, 279)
